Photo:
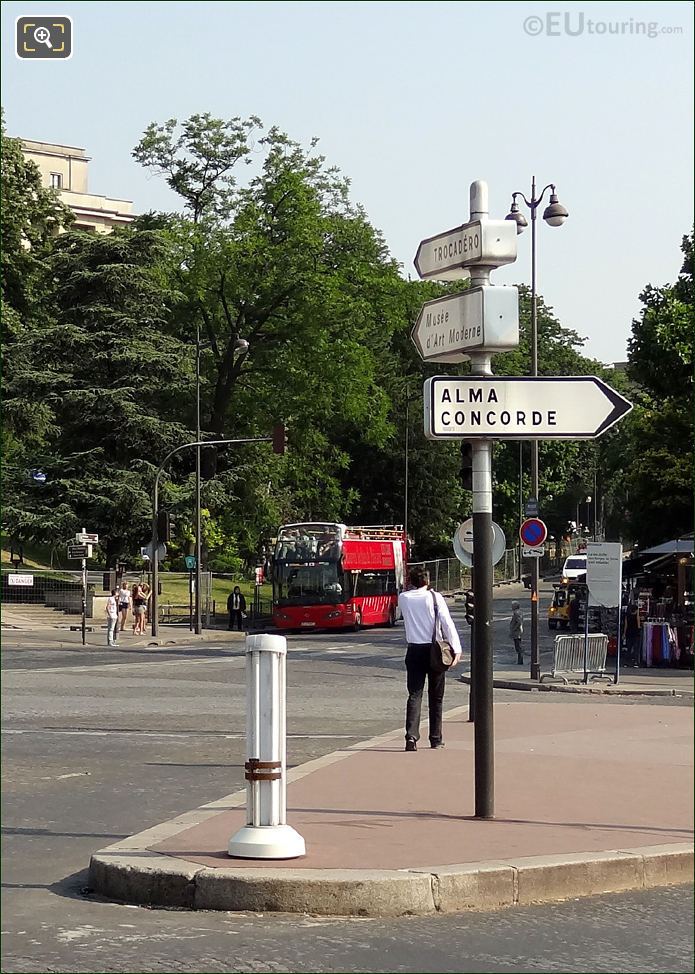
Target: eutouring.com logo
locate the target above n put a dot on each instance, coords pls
(559, 23)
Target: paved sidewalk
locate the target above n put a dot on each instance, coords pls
(589, 799)
(646, 682)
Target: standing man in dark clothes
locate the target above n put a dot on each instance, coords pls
(236, 606)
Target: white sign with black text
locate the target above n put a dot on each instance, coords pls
(604, 572)
(578, 407)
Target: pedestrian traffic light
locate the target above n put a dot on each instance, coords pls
(467, 465)
(470, 606)
(163, 526)
(279, 438)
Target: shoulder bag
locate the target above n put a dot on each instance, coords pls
(441, 653)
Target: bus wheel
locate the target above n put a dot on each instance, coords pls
(357, 624)
(392, 618)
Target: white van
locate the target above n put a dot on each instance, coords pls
(574, 566)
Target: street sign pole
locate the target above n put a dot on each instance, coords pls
(483, 726)
(84, 601)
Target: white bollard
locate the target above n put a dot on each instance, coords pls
(266, 834)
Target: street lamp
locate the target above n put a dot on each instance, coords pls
(240, 345)
(554, 215)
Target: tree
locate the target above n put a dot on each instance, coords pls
(112, 376)
(286, 262)
(653, 475)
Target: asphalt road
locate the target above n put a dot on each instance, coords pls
(100, 744)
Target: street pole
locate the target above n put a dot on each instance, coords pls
(405, 491)
(555, 215)
(521, 503)
(155, 511)
(481, 675)
(198, 540)
(535, 567)
(84, 600)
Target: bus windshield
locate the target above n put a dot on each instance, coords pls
(310, 583)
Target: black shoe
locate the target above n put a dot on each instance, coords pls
(437, 744)
(410, 744)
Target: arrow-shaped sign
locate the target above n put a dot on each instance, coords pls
(579, 407)
(448, 255)
(480, 318)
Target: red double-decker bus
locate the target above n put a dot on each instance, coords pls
(331, 576)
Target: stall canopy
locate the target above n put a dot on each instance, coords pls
(680, 546)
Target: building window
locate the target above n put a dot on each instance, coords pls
(56, 180)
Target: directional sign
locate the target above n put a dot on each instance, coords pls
(537, 552)
(533, 532)
(531, 507)
(463, 543)
(84, 537)
(79, 551)
(579, 407)
(448, 255)
(481, 318)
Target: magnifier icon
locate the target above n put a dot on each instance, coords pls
(42, 35)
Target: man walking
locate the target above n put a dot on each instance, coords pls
(417, 608)
(111, 619)
(516, 631)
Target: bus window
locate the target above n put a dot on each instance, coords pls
(375, 583)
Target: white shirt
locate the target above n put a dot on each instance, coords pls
(417, 608)
(112, 607)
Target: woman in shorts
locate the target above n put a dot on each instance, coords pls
(139, 610)
(124, 600)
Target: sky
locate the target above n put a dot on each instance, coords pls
(412, 101)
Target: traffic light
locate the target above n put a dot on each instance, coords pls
(163, 526)
(467, 465)
(470, 606)
(279, 438)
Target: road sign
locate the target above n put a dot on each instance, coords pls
(448, 256)
(533, 532)
(520, 407)
(537, 552)
(84, 537)
(463, 543)
(146, 551)
(531, 507)
(604, 572)
(190, 562)
(481, 318)
(20, 580)
(79, 551)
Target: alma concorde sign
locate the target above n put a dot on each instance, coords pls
(579, 407)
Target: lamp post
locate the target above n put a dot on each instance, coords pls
(155, 511)
(554, 215)
(240, 345)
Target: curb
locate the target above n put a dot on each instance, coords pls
(129, 871)
(573, 688)
(149, 879)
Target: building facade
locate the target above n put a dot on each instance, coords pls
(65, 168)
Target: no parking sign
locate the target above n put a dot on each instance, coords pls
(533, 532)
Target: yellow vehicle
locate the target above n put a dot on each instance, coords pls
(560, 609)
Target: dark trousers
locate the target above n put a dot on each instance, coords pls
(519, 651)
(235, 616)
(417, 664)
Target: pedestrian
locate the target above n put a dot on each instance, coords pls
(236, 606)
(516, 631)
(124, 599)
(632, 631)
(417, 609)
(111, 619)
(139, 609)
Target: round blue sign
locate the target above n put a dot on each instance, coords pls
(533, 532)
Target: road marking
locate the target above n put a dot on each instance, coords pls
(87, 732)
(125, 665)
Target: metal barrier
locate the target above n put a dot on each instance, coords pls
(568, 657)
(448, 575)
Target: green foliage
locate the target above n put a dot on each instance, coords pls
(652, 474)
